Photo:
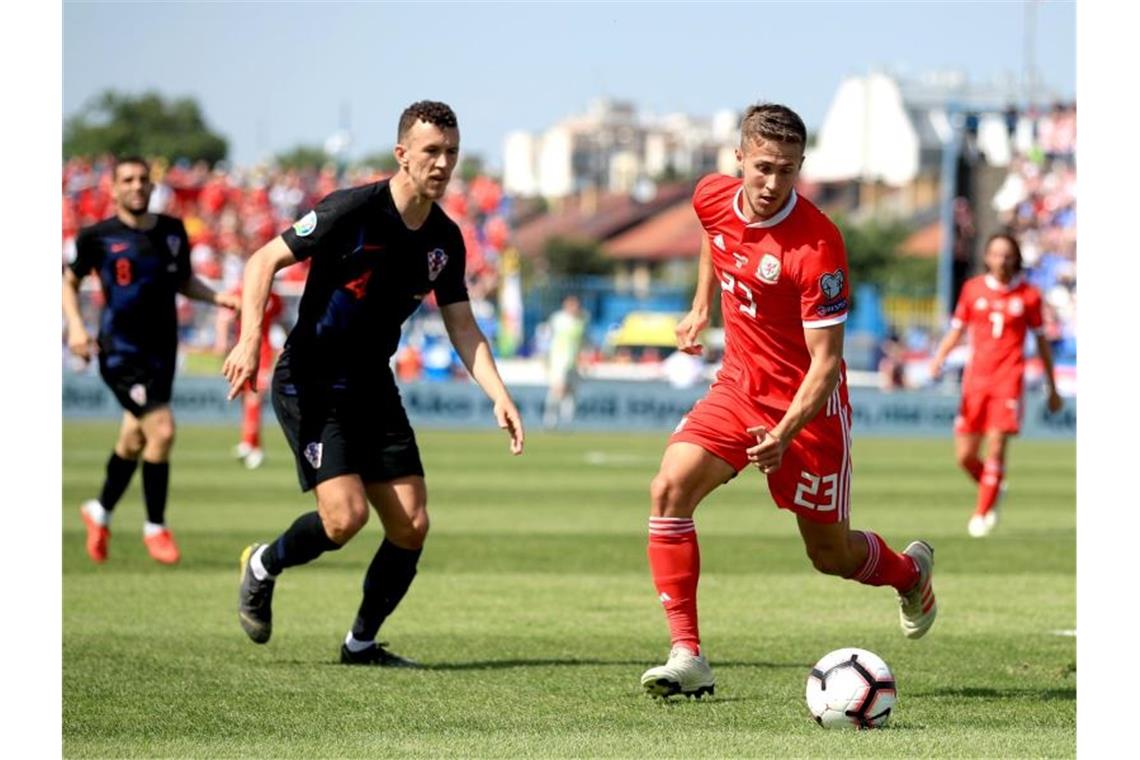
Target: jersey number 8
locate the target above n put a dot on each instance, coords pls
(122, 272)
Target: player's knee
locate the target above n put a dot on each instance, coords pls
(161, 434)
(667, 495)
(130, 445)
(966, 458)
(411, 534)
(344, 518)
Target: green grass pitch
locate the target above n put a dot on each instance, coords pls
(535, 614)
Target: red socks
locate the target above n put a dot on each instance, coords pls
(990, 485)
(974, 469)
(675, 562)
(251, 424)
(884, 566)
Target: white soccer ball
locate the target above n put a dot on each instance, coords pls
(851, 688)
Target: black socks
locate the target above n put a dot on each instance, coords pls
(387, 580)
(119, 472)
(155, 483)
(303, 542)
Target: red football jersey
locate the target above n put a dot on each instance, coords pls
(996, 318)
(777, 277)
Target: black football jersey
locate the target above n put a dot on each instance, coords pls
(141, 272)
(369, 273)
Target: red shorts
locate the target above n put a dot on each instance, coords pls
(814, 478)
(980, 413)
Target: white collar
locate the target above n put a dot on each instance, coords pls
(771, 221)
(993, 284)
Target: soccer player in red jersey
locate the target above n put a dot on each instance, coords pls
(248, 449)
(996, 309)
(780, 400)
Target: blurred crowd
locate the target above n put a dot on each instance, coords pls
(1037, 201)
(230, 212)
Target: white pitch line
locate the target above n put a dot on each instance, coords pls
(610, 459)
(1072, 633)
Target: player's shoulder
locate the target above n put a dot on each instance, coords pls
(811, 217)
(713, 186)
(100, 228)
(442, 222)
(976, 283)
(166, 221)
(1028, 290)
(350, 199)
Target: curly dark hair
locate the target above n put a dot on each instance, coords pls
(431, 111)
(771, 121)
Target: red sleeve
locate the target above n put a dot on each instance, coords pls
(1033, 317)
(824, 283)
(700, 195)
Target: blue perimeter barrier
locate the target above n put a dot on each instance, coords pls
(602, 405)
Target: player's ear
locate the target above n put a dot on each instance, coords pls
(400, 152)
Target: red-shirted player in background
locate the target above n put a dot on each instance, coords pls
(249, 448)
(996, 309)
(780, 399)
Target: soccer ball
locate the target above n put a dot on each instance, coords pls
(851, 688)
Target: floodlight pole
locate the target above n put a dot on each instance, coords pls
(951, 148)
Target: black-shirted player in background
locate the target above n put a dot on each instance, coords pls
(376, 251)
(142, 260)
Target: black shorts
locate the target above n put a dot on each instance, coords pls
(140, 384)
(336, 433)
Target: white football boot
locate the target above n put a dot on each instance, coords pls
(684, 673)
(917, 607)
(981, 526)
(254, 459)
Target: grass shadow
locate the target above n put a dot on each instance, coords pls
(974, 692)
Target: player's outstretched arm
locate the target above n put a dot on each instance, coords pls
(476, 354)
(194, 289)
(240, 367)
(944, 348)
(1046, 353)
(78, 341)
(690, 327)
(825, 345)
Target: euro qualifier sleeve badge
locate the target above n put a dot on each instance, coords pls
(306, 224)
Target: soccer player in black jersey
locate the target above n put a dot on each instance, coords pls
(142, 260)
(376, 251)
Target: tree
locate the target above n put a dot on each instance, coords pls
(384, 161)
(303, 157)
(146, 125)
(571, 257)
(873, 255)
(470, 167)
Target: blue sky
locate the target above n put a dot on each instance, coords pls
(272, 75)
